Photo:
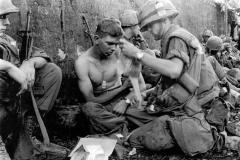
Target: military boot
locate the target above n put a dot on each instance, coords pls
(30, 124)
(3, 152)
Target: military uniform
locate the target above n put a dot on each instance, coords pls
(183, 118)
(101, 117)
(48, 80)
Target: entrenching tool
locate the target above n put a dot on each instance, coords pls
(25, 54)
(47, 146)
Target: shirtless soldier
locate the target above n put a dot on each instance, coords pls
(100, 80)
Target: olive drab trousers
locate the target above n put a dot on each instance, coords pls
(48, 79)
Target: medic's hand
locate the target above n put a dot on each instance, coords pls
(28, 68)
(120, 108)
(23, 82)
(134, 99)
(128, 49)
(126, 84)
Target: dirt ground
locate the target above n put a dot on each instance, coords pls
(174, 154)
(68, 137)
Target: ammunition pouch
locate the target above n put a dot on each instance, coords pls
(184, 93)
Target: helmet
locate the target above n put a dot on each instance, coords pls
(128, 18)
(6, 7)
(154, 10)
(214, 43)
(207, 33)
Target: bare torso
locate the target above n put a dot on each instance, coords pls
(103, 74)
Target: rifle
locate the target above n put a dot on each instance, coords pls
(88, 31)
(26, 49)
(27, 40)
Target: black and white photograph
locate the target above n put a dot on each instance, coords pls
(119, 79)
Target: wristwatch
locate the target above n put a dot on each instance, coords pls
(127, 101)
(140, 55)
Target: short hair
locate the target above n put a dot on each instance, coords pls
(109, 26)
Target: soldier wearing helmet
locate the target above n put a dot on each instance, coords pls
(214, 48)
(214, 43)
(37, 72)
(15, 73)
(206, 35)
(130, 25)
(179, 83)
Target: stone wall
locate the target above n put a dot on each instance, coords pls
(58, 24)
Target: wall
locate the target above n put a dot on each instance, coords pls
(57, 23)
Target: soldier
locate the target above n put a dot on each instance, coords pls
(99, 79)
(129, 23)
(37, 71)
(206, 35)
(214, 46)
(221, 62)
(188, 81)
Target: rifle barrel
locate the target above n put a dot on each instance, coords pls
(26, 40)
(27, 29)
(88, 29)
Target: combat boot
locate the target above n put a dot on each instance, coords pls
(30, 124)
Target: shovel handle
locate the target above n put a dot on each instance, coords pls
(40, 121)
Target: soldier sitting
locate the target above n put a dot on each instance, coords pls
(188, 83)
(100, 82)
(37, 71)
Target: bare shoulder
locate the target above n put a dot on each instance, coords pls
(82, 65)
(82, 59)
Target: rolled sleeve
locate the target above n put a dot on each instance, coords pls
(37, 52)
(178, 49)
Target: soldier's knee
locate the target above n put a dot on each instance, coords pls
(56, 71)
(89, 108)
